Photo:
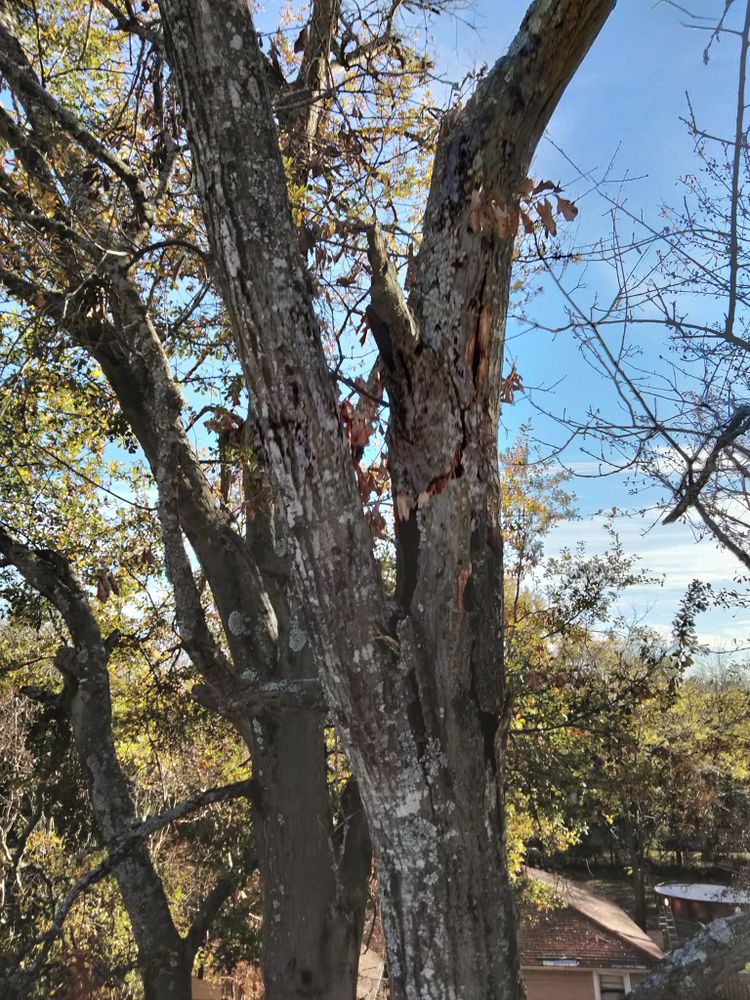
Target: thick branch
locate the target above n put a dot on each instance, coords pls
(50, 574)
(130, 24)
(740, 142)
(304, 693)
(352, 841)
(388, 314)
(722, 535)
(26, 151)
(314, 72)
(698, 968)
(137, 368)
(490, 142)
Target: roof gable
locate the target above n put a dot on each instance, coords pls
(590, 927)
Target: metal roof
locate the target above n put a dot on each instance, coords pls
(704, 892)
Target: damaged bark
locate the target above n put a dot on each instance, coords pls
(416, 685)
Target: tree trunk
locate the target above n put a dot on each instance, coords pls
(417, 686)
(314, 888)
(163, 959)
(636, 859)
(310, 907)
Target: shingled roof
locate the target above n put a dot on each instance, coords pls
(589, 929)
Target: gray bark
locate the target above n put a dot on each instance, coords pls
(309, 948)
(417, 688)
(697, 970)
(163, 959)
(304, 881)
(310, 903)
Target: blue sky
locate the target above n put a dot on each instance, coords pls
(625, 102)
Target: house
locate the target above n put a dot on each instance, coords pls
(586, 949)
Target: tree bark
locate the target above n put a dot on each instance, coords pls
(637, 863)
(697, 970)
(306, 904)
(310, 912)
(416, 687)
(164, 963)
(311, 908)
(163, 960)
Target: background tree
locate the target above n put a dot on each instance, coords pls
(165, 956)
(673, 338)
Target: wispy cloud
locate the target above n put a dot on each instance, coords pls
(672, 555)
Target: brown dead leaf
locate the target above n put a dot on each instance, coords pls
(544, 211)
(567, 209)
(546, 186)
(528, 225)
(504, 221)
(510, 385)
(306, 239)
(103, 588)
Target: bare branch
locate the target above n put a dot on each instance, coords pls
(130, 24)
(31, 157)
(122, 846)
(691, 487)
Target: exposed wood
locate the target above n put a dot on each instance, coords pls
(417, 690)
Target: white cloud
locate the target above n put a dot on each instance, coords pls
(672, 554)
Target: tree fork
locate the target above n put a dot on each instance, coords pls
(418, 696)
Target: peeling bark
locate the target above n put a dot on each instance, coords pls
(417, 689)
